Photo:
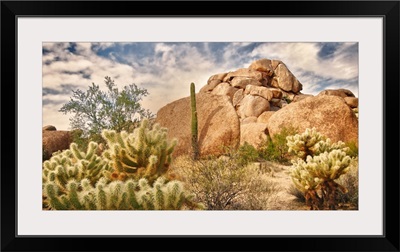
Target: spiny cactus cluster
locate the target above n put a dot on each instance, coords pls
(73, 164)
(311, 143)
(146, 153)
(128, 176)
(320, 162)
(119, 195)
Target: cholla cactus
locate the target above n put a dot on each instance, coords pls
(73, 164)
(320, 163)
(121, 195)
(311, 143)
(143, 153)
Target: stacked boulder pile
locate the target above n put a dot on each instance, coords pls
(250, 104)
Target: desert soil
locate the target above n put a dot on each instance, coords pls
(283, 200)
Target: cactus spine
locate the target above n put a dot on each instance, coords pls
(195, 143)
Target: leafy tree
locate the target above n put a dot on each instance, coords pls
(95, 110)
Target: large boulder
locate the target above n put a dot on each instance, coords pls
(244, 72)
(285, 80)
(262, 65)
(218, 124)
(330, 115)
(252, 106)
(55, 140)
(253, 133)
(341, 92)
(224, 89)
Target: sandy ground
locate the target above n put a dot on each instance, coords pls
(283, 200)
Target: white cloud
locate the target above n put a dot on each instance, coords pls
(168, 71)
(301, 57)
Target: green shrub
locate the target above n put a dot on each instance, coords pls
(276, 149)
(245, 154)
(113, 109)
(352, 149)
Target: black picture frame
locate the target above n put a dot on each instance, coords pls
(11, 10)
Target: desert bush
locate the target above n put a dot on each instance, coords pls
(352, 150)
(350, 182)
(276, 148)
(224, 183)
(245, 154)
(95, 110)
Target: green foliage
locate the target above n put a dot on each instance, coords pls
(320, 163)
(195, 143)
(245, 154)
(95, 110)
(276, 148)
(352, 150)
(120, 195)
(146, 153)
(287, 99)
(225, 184)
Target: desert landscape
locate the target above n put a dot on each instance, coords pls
(249, 139)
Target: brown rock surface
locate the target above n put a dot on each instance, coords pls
(338, 92)
(55, 140)
(285, 80)
(263, 65)
(264, 117)
(49, 127)
(252, 106)
(251, 119)
(244, 72)
(300, 97)
(351, 101)
(218, 124)
(259, 91)
(224, 89)
(253, 133)
(328, 114)
(242, 82)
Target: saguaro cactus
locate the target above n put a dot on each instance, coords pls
(195, 143)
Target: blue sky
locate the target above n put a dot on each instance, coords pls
(167, 69)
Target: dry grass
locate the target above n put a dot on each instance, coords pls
(263, 185)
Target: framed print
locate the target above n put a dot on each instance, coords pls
(231, 126)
